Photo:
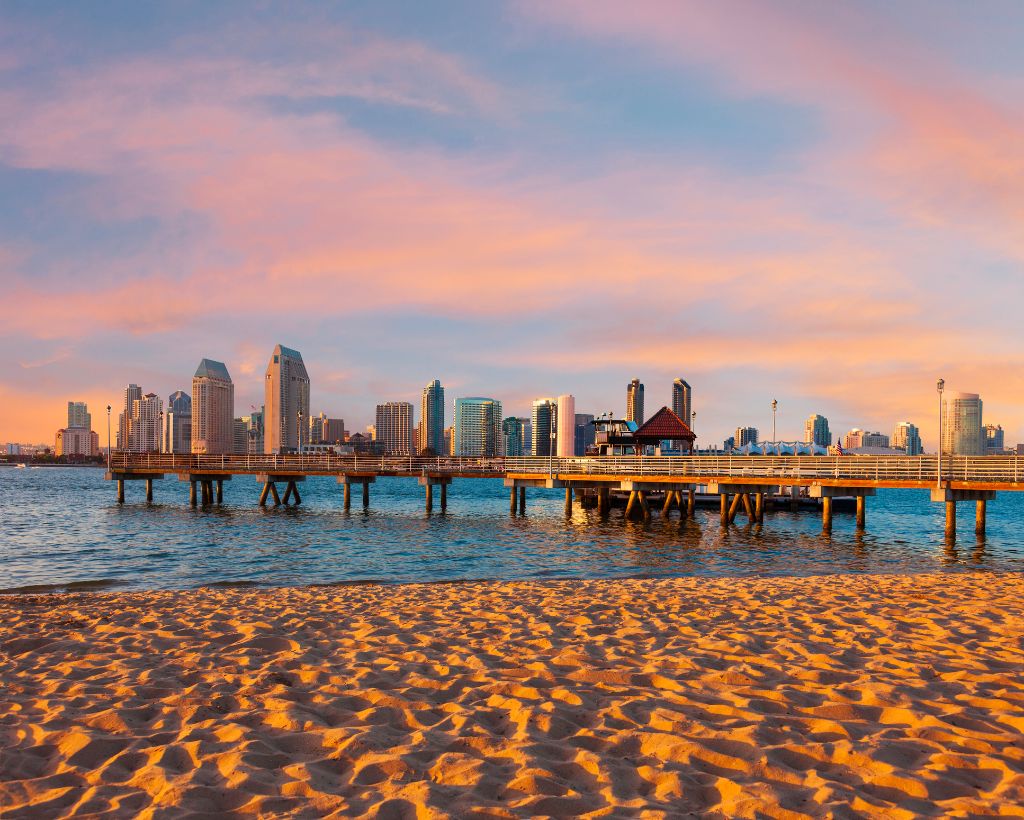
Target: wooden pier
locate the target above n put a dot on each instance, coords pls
(743, 483)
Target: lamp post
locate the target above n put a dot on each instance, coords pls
(775, 405)
(693, 423)
(298, 431)
(108, 438)
(160, 432)
(551, 444)
(940, 385)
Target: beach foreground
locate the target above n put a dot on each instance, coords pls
(895, 696)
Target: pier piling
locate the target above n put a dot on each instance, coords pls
(631, 504)
(862, 504)
(522, 500)
(826, 514)
(430, 497)
(603, 501)
(951, 520)
(264, 493)
(220, 491)
(149, 491)
(691, 502)
(734, 508)
(568, 501)
(748, 507)
(192, 493)
(444, 497)
(274, 495)
(979, 516)
(759, 507)
(724, 508)
(366, 494)
(512, 501)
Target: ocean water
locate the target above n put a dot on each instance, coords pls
(62, 528)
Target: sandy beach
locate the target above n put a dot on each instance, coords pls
(845, 696)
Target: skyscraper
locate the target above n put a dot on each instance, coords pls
(682, 400)
(131, 393)
(586, 433)
(393, 431)
(995, 439)
(178, 423)
(907, 437)
(78, 415)
(285, 402)
(213, 409)
(477, 427)
(816, 431)
(635, 402)
(565, 437)
(431, 430)
(512, 437)
(963, 433)
(545, 412)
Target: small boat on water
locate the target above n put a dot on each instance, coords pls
(20, 466)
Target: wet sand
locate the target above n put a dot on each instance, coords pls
(846, 696)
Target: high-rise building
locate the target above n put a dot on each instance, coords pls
(240, 435)
(907, 437)
(635, 402)
(131, 393)
(477, 427)
(512, 437)
(854, 439)
(213, 409)
(963, 433)
(254, 445)
(328, 430)
(285, 402)
(875, 439)
(995, 439)
(585, 433)
(565, 419)
(449, 441)
(431, 428)
(393, 431)
(816, 431)
(78, 415)
(177, 436)
(745, 435)
(76, 441)
(682, 400)
(527, 428)
(543, 421)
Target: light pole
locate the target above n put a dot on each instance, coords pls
(775, 405)
(160, 433)
(551, 445)
(108, 438)
(298, 431)
(940, 385)
(693, 423)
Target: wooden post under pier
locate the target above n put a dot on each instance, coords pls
(950, 497)
(645, 508)
(759, 507)
(264, 493)
(862, 504)
(366, 494)
(220, 491)
(522, 500)
(951, 520)
(691, 502)
(192, 493)
(568, 501)
(748, 507)
(347, 495)
(120, 491)
(444, 496)
(512, 501)
(630, 504)
(723, 499)
(979, 516)
(149, 490)
(826, 514)
(734, 507)
(430, 497)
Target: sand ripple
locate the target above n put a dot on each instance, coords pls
(818, 697)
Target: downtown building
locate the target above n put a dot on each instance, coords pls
(177, 436)
(131, 394)
(744, 436)
(995, 440)
(542, 424)
(78, 438)
(213, 409)
(682, 400)
(393, 432)
(477, 427)
(635, 402)
(963, 433)
(430, 434)
(585, 434)
(816, 431)
(325, 430)
(513, 438)
(138, 429)
(907, 437)
(285, 402)
(565, 421)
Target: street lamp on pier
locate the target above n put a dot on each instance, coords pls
(940, 386)
(775, 405)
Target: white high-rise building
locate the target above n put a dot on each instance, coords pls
(393, 430)
(144, 424)
(286, 402)
(178, 423)
(131, 393)
(543, 426)
(963, 433)
(907, 437)
(213, 409)
(431, 429)
(635, 402)
(477, 427)
(565, 436)
(682, 401)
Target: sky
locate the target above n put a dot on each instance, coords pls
(821, 203)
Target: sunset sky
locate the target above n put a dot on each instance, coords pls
(817, 202)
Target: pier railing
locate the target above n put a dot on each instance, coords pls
(1002, 470)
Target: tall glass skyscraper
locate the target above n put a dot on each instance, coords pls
(178, 423)
(816, 431)
(963, 433)
(512, 436)
(213, 409)
(432, 418)
(635, 402)
(393, 430)
(543, 420)
(682, 400)
(477, 428)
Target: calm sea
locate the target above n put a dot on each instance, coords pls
(62, 526)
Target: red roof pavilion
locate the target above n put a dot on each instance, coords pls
(664, 425)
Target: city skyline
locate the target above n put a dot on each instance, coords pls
(601, 156)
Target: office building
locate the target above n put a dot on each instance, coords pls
(449, 441)
(682, 401)
(213, 409)
(745, 435)
(527, 428)
(177, 436)
(252, 433)
(963, 432)
(907, 437)
(285, 402)
(995, 439)
(325, 430)
(816, 431)
(78, 415)
(542, 424)
(585, 433)
(477, 427)
(393, 430)
(512, 437)
(565, 420)
(76, 442)
(635, 402)
(240, 435)
(431, 427)
(875, 439)
(729, 443)
(132, 393)
(854, 439)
